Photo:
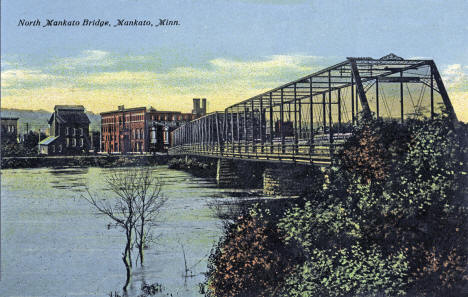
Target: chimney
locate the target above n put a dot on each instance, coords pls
(196, 106)
(203, 108)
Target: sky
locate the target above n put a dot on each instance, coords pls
(222, 50)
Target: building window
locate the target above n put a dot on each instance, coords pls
(141, 134)
(67, 131)
(68, 141)
(52, 148)
(133, 133)
(137, 134)
(74, 142)
(166, 135)
(60, 148)
(81, 131)
(81, 142)
(73, 131)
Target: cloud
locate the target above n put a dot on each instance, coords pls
(93, 58)
(121, 79)
(215, 74)
(271, 63)
(254, 74)
(102, 80)
(455, 77)
(17, 78)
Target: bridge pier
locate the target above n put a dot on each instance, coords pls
(235, 173)
(226, 173)
(275, 179)
(291, 180)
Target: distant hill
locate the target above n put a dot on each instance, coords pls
(38, 119)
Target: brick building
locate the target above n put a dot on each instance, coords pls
(140, 130)
(123, 130)
(69, 132)
(9, 129)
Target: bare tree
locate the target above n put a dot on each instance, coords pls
(133, 207)
(148, 204)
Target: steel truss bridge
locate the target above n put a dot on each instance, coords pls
(305, 120)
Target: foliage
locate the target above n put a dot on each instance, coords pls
(13, 149)
(427, 195)
(416, 202)
(249, 261)
(373, 147)
(27, 148)
(314, 224)
(353, 271)
(338, 262)
(31, 139)
(193, 165)
(391, 222)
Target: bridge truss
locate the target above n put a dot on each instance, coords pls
(305, 120)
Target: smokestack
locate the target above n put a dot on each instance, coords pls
(203, 108)
(196, 106)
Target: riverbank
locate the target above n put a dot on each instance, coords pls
(245, 175)
(201, 167)
(84, 161)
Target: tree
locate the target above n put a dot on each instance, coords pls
(31, 139)
(133, 208)
(334, 260)
(393, 218)
(250, 260)
(28, 147)
(148, 204)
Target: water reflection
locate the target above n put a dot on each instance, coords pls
(54, 243)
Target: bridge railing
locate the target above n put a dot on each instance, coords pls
(320, 152)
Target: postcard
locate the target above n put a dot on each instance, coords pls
(235, 148)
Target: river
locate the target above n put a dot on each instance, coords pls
(53, 243)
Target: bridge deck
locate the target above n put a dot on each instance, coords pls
(319, 154)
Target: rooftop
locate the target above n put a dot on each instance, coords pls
(69, 107)
(70, 114)
(48, 140)
(122, 110)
